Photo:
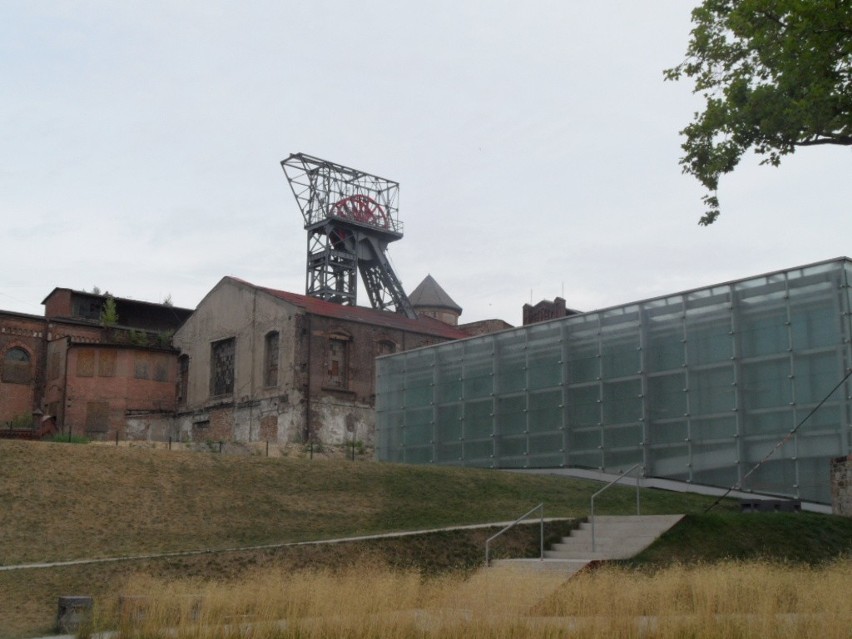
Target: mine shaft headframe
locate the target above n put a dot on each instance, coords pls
(326, 190)
(351, 217)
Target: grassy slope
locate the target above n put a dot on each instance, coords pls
(796, 537)
(60, 502)
(65, 501)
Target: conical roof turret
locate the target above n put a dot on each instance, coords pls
(432, 300)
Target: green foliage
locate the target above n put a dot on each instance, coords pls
(164, 338)
(774, 74)
(109, 314)
(138, 338)
(22, 422)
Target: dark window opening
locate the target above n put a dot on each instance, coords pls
(222, 367)
(183, 379)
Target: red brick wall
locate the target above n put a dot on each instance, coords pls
(19, 396)
(58, 303)
(114, 381)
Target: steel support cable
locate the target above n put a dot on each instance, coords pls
(784, 440)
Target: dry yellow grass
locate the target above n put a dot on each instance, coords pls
(754, 599)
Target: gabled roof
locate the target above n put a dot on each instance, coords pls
(315, 306)
(430, 294)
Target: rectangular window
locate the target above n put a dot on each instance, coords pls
(106, 364)
(183, 381)
(222, 367)
(141, 368)
(161, 368)
(270, 366)
(337, 371)
(86, 362)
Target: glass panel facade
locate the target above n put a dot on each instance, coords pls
(698, 386)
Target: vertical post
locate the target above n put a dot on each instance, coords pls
(267, 448)
(593, 523)
(637, 489)
(170, 442)
(116, 438)
(541, 535)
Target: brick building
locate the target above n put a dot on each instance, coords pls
(259, 364)
(85, 377)
(23, 340)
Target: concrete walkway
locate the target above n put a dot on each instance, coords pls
(616, 537)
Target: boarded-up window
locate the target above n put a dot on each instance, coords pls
(17, 368)
(270, 367)
(86, 362)
(337, 370)
(161, 371)
(183, 381)
(97, 417)
(141, 368)
(222, 367)
(106, 364)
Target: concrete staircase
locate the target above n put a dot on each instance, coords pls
(616, 537)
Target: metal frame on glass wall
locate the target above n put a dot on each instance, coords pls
(697, 386)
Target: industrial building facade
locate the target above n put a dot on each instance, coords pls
(698, 386)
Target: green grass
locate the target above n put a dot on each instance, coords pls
(809, 538)
(60, 502)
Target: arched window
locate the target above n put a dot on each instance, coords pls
(16, 366)
(385, 347)
(270, 360)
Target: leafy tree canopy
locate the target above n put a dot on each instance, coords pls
(774, 74)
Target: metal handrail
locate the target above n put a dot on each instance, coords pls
(617, 479)
(512, 525)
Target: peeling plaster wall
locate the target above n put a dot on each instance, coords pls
(338, 423)
(234, 311)
(322, 394)
(274, 420)
(158, 428)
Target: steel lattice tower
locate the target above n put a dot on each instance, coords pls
(350, 217)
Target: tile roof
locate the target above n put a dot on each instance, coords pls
(315, 306)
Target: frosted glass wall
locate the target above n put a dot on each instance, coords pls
(697, 386)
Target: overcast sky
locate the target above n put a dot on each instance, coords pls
(535, 143)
